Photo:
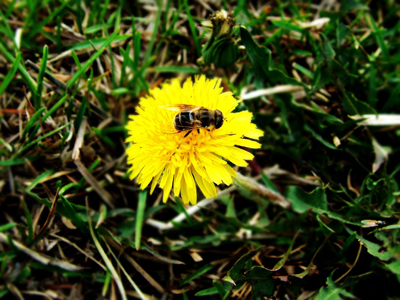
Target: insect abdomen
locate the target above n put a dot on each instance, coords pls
(184, 120)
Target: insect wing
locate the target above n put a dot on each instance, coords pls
(180, 107)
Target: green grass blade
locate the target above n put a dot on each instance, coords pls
(193, 28)
(80, 114)
(378, 33)
(113, 78)
(104, 137)
(176, 69)
(38, 27)
(33, 120)
(106, 284)
(139, 217)
(196, 274)
(106, 259)
(28, 145)
(54, 108)
(153, 36)
(182, 209)
(19, 161)
(58, 35)
(98, 42)
(29, 221)
(10, 75)
(78, 63)
(38, 96)
(125, 55)
(22, 71)
(7, 226)
(104, 10)
(39, 178)
(78, 74)
(8, 31)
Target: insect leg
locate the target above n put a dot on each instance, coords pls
(198, 130)
(187, 134)
(183, 138)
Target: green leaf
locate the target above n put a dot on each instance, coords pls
(287, 25)
(375, 249)
(80, 114)
(236, 273)
(327, 49)
(316, 201)
(38, 96)
(139, 217)
(207, 292)
(332, 291)
(104, 137)
(265, 284)
(303, 201)
(39, 178)
(33, 120)
(95, 28)
(154, 34)
(355, 107)
(282, 261)
(22, 71)
(394, 267)
(192, 28)
(30, 144)
(19, 161)
(175, 69)
(378, 33)
(196, 274)
(71, 214)
(10, 75)
(99, 52)
(342, 31)
(54, 108)
(261, 59)
(7, 226)
(37, 27)
(319, 138)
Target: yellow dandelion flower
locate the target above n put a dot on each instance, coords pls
(159, 153)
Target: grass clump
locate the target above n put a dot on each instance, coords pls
(321, 80)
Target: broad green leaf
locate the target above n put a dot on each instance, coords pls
(353, 106)
(73, 215)
(237, 271)
(261, 59)
(332, 292)
(303, 201)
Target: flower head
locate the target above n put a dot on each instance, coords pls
(221, 49)
(159, 153)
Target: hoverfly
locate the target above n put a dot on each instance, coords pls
(192, 117)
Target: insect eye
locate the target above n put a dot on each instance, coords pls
(219, 121)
